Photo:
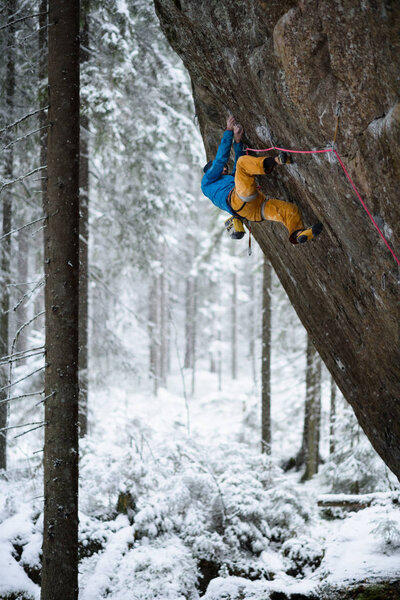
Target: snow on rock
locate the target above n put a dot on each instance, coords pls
(356, 549)
(127, 572)
(237, 588)
(14, 532)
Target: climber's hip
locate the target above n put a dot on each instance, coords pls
(247, 207)
(261, 209)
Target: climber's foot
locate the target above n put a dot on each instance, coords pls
(284, 158)
(305, 235)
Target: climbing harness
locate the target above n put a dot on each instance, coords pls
(326, 150)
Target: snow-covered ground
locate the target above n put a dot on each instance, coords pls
(176, 457)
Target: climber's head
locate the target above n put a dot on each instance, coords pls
(209, 164)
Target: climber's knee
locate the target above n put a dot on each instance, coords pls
(268, 165)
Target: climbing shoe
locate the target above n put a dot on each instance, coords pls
(234, 227)
(284, 158)
(304, 235)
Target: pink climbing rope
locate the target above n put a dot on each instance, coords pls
(365, 207)
(348, 177)
(285, 150)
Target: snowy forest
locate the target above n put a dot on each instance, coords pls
(168, 430)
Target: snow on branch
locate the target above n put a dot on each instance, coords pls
(45, 398)
(12, 181)
(40, 423)
(15, 341)
(23, 227)
(352, 501)
(37, 423)
(28, 294)
(29, 430)
(11, 359)
(21, 396)
(23, 137)
(21, 353)
(31, 114)
(23, 19)
(5, 387)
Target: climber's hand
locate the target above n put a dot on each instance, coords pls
(230, 123)
(238, 133)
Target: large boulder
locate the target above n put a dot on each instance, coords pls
(282, 67)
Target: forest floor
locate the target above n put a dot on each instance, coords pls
(131, 427)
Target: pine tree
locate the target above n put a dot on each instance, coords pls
(312, 418)
(6, 242)
(84, 236)
(60, 527)
(332, 417)
(266, 360)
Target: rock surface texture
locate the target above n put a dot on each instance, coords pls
(281, 67)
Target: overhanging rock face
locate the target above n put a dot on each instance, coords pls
(281, 67)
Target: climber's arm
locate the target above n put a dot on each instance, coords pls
(237, 144)
(223, 153)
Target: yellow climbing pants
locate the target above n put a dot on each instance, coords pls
(251, 204)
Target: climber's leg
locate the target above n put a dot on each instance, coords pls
(284, 212)
(247, 167)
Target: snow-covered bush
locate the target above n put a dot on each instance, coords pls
(304, 553)
(163, 570)
(106, 472)
(290, 511)
(93, 535)
(388, 533)
(355, 467)
(225, 507)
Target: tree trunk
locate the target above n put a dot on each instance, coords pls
(332, 417)
(219, 357)
(43, 123)
(83, 237)
(313, 410)
(194, 335)
(23, 278)
(266, 360)
(6, 242)
(153, 333)
(188, 360)
(252, 326)
(60, 526)
(233, 326)
(164, 320)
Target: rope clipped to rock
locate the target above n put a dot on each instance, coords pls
(332, 150)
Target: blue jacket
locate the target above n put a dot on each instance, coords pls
(216, 186)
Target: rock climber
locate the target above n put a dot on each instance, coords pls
(238, 194)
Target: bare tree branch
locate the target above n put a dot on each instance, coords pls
(24, 425)
(21, 283)
(31, 114)
(16, 338)
(28, 294)
(21, 352)
(22, 19)
(22, 378)
(23, 327)
(12, 181)
(23, 137)
(44, 399)
(29, 430)
(16, 358)
(21, 396)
